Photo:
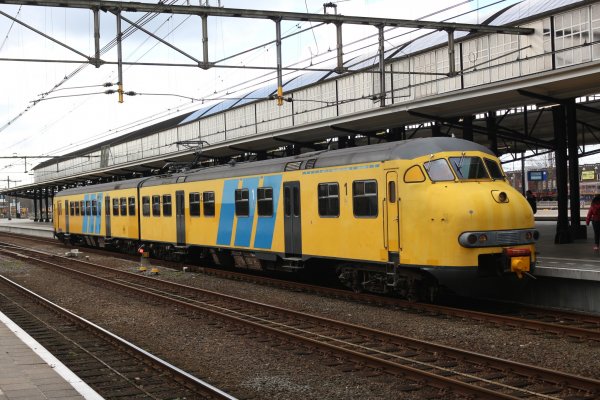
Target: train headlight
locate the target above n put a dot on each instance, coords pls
(472, 238)
(536, 235)
(500, 197)
(483, 238)
(528, 235)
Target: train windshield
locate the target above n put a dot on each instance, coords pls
(469, 168)
(438, 170)
(494, 169)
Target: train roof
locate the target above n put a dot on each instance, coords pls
(402, 150)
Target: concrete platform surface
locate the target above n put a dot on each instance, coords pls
(29, 372)
(27, 227)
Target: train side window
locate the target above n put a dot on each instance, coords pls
(208, 200)
(194, 204)
(329, 199)
(146, 206)
(123, 206)
(88, 208)
(131, 203)
(264, 198)
(296, 194)
(364, 198)
(438, 170)
(115, 207)
(156, 206)
(167, 209)
(76, 208)
(59, 208)
(494, 169)
(242, 203)
(414, 175)
(106, 205)
(82, 207)
(72, 208)
(94, 207)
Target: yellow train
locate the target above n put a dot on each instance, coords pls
(383, 217)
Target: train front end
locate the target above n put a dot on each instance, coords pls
(469, 218)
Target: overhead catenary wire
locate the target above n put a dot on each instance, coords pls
(237, 85)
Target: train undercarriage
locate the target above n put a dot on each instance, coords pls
(410, 283)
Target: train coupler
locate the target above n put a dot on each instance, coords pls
(517, 261)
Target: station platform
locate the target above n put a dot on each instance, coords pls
(27, 227)
(28, 371)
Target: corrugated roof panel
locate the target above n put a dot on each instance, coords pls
(260, 93)
(306, 79)
(528, 8)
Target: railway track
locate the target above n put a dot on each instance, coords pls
(557, 322)
(423, 363)
(113, 367)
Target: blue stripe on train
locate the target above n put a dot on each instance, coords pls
(84, 226)
(266, 225)
(243, 229)
(92, 218)
(227, 212)
(99, 214)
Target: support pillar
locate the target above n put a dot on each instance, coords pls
(436, 130)
(41, 206)
(578, 231)
(46, 200)
(492, 130)
(563, 234)
(467, 128)
(35, 206)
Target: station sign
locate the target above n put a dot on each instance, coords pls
(589, 175)
(537, 175)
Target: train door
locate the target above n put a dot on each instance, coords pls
(107, 216)
(180, 216)
(392, 213)
(66, 216)
(291, 218)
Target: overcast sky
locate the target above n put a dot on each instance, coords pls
(74, 117)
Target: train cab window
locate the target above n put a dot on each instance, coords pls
(167, 209)
(115, 207)
(208, 204)
(88, 207)
(194, 204)
(264, 199)
(364, 198)
(76, 208)
(242, 203)
(329, 199)
(156, 206)
(94, 207)
(438, 170)
(123, 206)
(131, 205)
(414, 175)
(469, 167)
(494, 169)
(146, 206)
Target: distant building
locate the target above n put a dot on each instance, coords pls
(542, 181)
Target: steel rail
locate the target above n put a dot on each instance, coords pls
(178, 374)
